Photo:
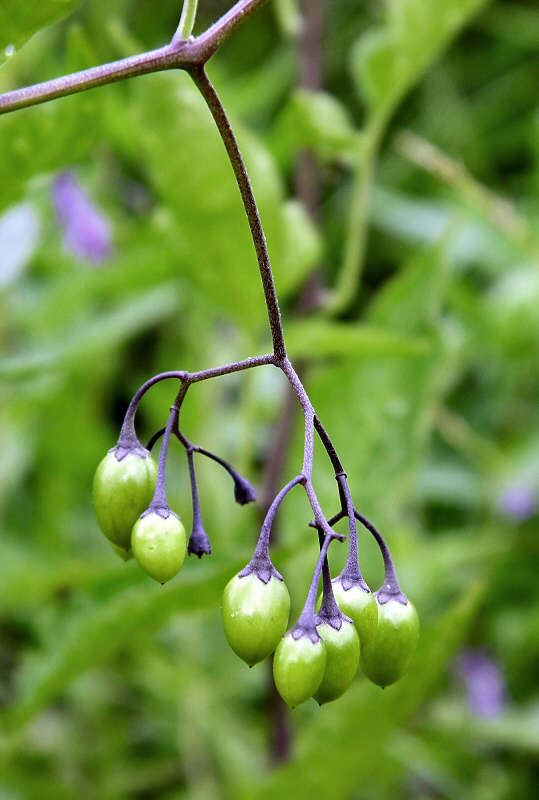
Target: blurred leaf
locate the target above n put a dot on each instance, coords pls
(320, 338)
(19, 237)
(302, 248)
(51, 136)
(95, 636)
(32, 579)
(199, 187)
(388, 61)
(514, 729)
(18, 21)
(95, 334)
(316, 120)
(391, 403)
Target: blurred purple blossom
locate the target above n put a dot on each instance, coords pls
(483, 679)
(518, 501)
(87, 232)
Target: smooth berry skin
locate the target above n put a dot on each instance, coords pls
(255, 616)
(342, 661)
(361, 607)
(122, 491)
(387, 657)
(159, 545)
(298, 668)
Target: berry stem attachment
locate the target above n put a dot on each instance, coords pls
(306, 624)
(261, 562)
(159, 503)
(329, 610)
(390, 589)
(199, 542)
(128, 438)
(352, 571)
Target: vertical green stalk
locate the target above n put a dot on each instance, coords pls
(356, 238)
(187, 21)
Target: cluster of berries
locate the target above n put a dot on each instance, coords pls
(348, 626)
(320, 656)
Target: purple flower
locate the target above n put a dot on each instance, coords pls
(518, 501)
(87, 232)
(485, 685)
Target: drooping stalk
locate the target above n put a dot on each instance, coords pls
(206, 89)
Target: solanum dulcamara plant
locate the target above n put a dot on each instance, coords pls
(348, 626)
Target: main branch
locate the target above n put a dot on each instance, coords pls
(211, 97)
(176, 55)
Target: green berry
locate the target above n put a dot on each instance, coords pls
(342, 661)
(159, 545)
(125, 555)
(386, 658)
(255, 615)
(122, 491)
(360, 606)
(298, 668)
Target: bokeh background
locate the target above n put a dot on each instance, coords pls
(393, 148)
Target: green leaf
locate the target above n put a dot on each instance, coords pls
(302, 248)
(187, 166)
(391, 401)
(320, 338)
(515, 729)
(52, 136)
(92, 336)
(93, 637)
(19, 20)
(319, 121)
(387, 62)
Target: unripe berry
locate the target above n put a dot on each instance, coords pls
(342, 660)
(298, 668)
(122, 491)
(387, 656)
(360, 606)
(255, 615)
(159, 545)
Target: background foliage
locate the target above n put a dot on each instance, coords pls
(423, 367)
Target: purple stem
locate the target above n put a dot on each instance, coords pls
(176, 55)
(262, 548)
(390, 589)
(160, 500)
(306, 624)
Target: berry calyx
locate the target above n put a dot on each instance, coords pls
(159, 544)
(387, 657)
(298, 666)
(342, 660)
(123, 488)
(255, 615)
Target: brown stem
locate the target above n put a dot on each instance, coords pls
(211, 97)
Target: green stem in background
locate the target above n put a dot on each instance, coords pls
(187, 21)
(356, 238)
(497, 210)
(477, 449)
